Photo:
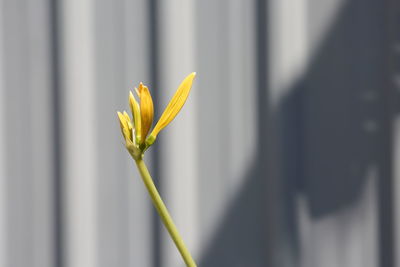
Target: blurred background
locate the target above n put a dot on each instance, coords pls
(285, 154)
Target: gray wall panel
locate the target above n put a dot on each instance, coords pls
(28, 131)
(234, 167)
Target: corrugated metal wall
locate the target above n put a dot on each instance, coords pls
(274, 161)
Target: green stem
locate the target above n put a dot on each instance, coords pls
(163, 212)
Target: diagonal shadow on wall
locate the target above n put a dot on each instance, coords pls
(320, 140)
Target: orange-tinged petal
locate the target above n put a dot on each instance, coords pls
(146, 111)
(139, 90)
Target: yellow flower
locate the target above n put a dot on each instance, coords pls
(143, 115)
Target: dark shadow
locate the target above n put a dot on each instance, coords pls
(341, 101)
(238, 241)
(319, 141)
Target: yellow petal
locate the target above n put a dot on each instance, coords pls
(146, 111)
(175, 105)
(124, 125)
(127, 118)
(135, 109)
(129, 124)
(121, 121)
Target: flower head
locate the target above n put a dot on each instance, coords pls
(136, 131)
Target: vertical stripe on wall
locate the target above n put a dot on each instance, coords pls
(179, 140)
(79, 133)
(41, 132)
(27, 134)
(226, 118)
(3, 184)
